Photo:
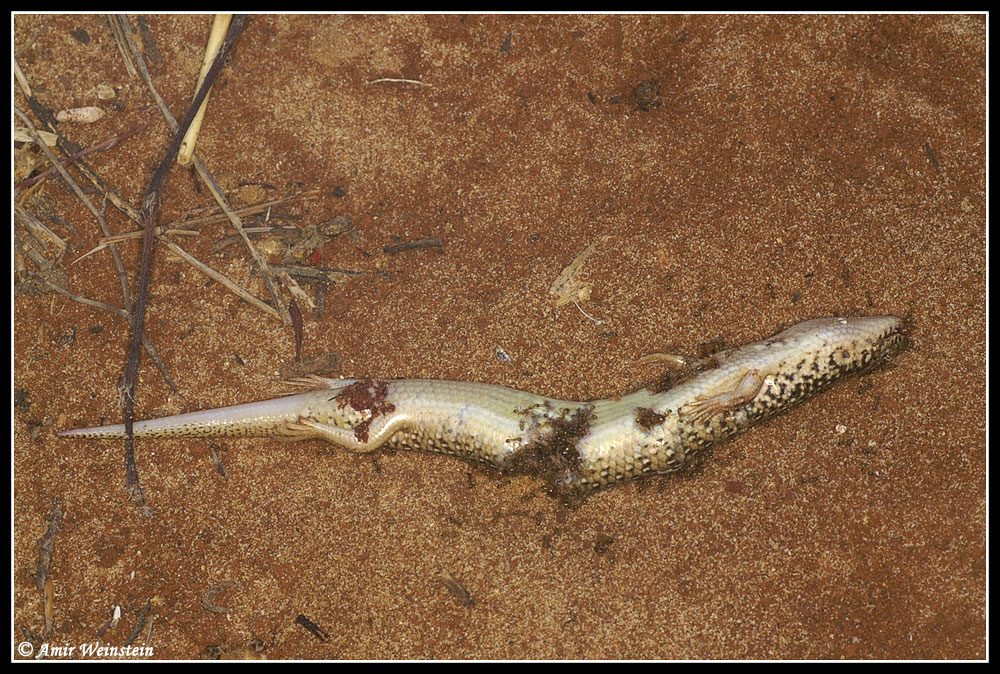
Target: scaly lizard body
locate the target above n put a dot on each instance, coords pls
(575, 446)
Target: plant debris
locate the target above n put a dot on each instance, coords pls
(568, 286)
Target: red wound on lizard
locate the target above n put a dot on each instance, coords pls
(366, 395)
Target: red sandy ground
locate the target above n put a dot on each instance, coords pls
(751, 172)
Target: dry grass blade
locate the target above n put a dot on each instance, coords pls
(296, 290)
(106, 241)
(185, 227)
(21, 79)
(21, 135)
(399, 80)
(225, 281)
(221, 216)
(123, 279)
(261, 263)
(117, 32)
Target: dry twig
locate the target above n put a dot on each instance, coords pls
(46, 544)
(214, 188)
(150, 208)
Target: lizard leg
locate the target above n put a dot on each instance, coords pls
(342, 437)
(672, 361)
(704, 408)
(362, 438)
(311, 382)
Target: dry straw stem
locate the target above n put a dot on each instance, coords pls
(186, 226)
(21, 79)
(219, 28)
